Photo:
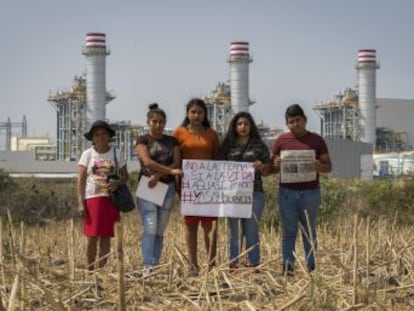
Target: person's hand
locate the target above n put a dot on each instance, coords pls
(82, 211)
(318, 166)
(276, 163)
(153, 180)
(258, 165)
(113, 185)
(177, 172)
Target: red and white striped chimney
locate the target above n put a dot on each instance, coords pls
(95, 52)
(239, 61)
(366, 68)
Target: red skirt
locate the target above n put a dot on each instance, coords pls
(101, 215)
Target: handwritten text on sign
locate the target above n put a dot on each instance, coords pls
(217, 188)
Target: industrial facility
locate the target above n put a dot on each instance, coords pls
(360, 128)
(87, 99)
(228, 99)
(85, 102)
(352, 115)
(7, 128)
(358, 116)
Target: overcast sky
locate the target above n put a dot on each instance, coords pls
(169, 51)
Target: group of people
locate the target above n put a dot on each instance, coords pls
(160, 156)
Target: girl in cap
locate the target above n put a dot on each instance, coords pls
(99, 214)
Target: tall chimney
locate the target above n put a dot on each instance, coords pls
(366, 68)
(239, 61)
(95, 52)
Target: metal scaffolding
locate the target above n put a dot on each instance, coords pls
(219, 110)
(389, 140)
(340, 117)
(71, 121)
(7, 128)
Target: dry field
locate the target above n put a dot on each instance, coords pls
(361, 266)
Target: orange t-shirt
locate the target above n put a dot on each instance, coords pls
(202, 147)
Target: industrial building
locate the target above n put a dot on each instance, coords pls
(85, 102)
(352, 115)
(229, 98)
(355, 122)
(7, 128)
(71, 119)
(357, 115)
(220, 112)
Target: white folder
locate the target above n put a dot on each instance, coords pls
(155, 195)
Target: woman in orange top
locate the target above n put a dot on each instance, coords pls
(198, 141)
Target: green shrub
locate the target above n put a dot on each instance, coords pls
(38, 200)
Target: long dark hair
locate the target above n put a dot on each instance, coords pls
(229, 140)
(200, 103)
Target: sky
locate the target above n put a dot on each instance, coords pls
(170, 51)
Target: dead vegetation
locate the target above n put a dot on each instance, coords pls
(362, 265)
(365, 256)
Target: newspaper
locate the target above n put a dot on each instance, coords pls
(297, 166)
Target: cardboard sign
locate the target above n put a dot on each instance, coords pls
(217, 188)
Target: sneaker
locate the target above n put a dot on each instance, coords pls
(193, 271)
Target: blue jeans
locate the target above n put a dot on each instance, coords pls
(155, 220)
(298, 207)
(250, 230)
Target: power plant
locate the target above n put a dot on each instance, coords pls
(358, 116)
(86, 102)
(355, 119)
(352, 114)
(87, 99)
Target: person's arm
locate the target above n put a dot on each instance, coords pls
(81, 186)
(174, 166)
(123, 175)
(263, 163)
(176, 160)
(123, 179)
(216, 144)
(275, 164)
(144, 156)
(323, 164)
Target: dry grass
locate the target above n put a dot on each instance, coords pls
(43, 268)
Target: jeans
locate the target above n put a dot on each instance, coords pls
(298, 207)
(250, 231)
(155, 220)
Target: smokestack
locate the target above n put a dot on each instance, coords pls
(366, 68)
(239, 61)
(95, 52)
